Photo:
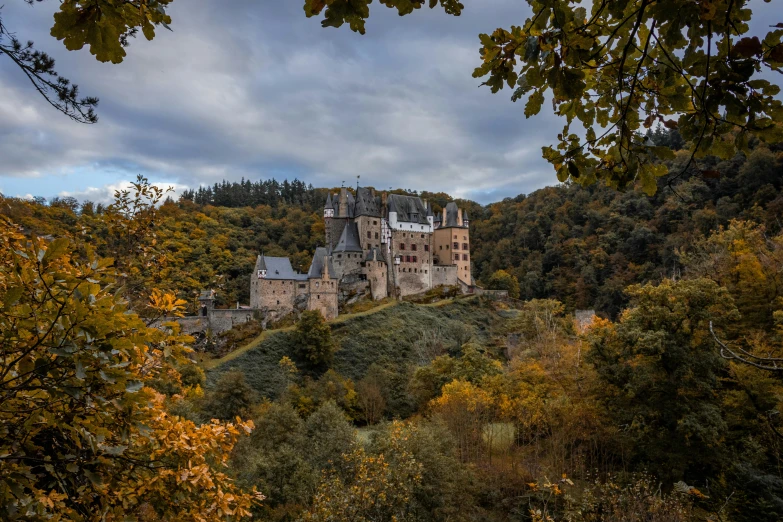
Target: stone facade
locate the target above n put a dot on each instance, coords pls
(384, 245)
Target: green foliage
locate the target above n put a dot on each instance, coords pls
(502, 280)
(693, 66)
(230, 398)
(662, 375)
(313, 339)
(106, 25)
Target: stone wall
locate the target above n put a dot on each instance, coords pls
(277, 294)
(376, 277)
(323, 297)
(411, 277)
(369, 231)
(222, 320)
(348, 265)
(444, 240)
(445, 275)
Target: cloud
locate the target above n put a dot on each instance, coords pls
(105, 194)
(256, 90)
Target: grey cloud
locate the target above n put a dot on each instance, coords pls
(255, 89)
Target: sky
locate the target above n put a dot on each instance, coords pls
(255, 89)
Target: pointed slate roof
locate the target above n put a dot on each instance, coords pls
(277, 267)
(374, 254)
(349, 239)
(452, 213)
(409, 209)
(367, 204)
(320, 257)
(329, 202)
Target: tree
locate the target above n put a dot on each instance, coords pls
(662, 375)
(232, 397)
(314, 339)
(104, 25)
(502, 280)
(369, 487)
(692, 66)
(82, 434)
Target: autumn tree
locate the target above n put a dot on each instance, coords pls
(230, 398)
(82, 435)
(502, 280)
(617, 68)
(314, 339)
(662, 375)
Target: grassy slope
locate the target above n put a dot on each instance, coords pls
(387, 335)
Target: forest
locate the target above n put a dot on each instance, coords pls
(663, 407)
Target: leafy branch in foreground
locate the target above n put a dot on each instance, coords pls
(39, 69)
(621, 68)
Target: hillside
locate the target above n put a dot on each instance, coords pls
(397, 338)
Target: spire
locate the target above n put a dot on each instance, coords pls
(329, 204)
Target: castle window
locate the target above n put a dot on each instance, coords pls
(465, 238)
(278, 302)
(415, 270)
(407, 259)
(425, 271)
(414, 259)
(374, 222)
(376, 235)
(413, 247)
(422, 236)
(455, 236)
(368, 235)
(464, 257)
(456, 257)
(302, 285)
(318, 296)
(456, 246)
(447, 247)
(464, 246)
(426, 248)
(402, 246)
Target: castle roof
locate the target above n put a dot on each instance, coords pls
(350, 200)
(277, 268)
(367, 204)
(452, 215)
(349, 239)
(374, 254)
(320, 258)
(329, 201)
(409, 209)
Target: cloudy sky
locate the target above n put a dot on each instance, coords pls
(255, 89)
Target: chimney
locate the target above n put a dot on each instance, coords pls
(425, 203)
(459, 217)
(343, 202)
(444, 217)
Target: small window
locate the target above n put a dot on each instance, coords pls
(414, 246)
(318, 296)
(368, 235)
(426, 248)
(402, 246)
(456, 257)
(302, 285)
(455, 236)
(415, 270)
(407, 259)
(414, 259)
(422, 236)
(374, 222)
(447, 247)
(465, 238)
(464, 246)
(425, 271)
(376, 235)
(464, 257)
(456, 246)
(278, 302)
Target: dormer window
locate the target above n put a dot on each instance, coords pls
(261, 274)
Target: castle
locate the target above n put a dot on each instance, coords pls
(381, 245)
